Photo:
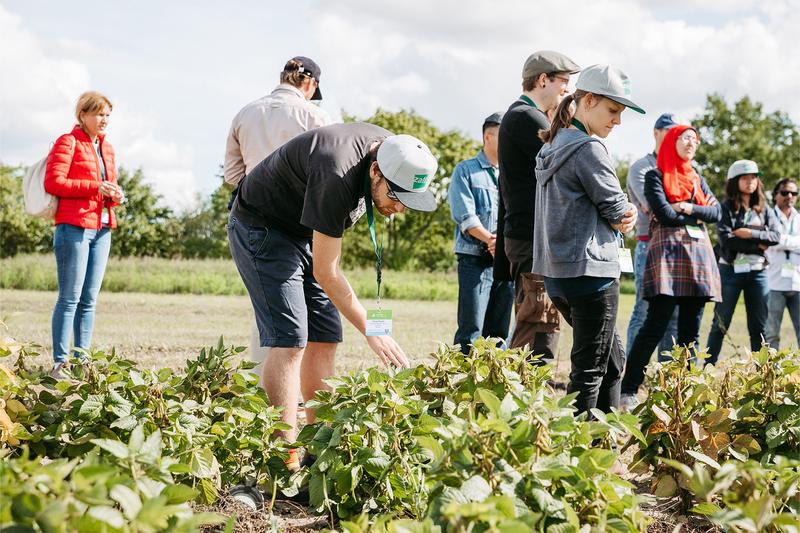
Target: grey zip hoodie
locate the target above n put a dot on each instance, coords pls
(578, 195)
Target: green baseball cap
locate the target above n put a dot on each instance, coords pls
(742, 167)
(547, 61)
(608, 81)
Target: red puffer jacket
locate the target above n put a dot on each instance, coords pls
(73, 175)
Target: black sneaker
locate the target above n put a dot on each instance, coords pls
(308, 460)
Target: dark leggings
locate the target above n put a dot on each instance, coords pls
(659, 313)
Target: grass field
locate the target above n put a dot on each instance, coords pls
(218, 277)
(165, 329)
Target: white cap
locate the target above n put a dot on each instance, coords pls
(409, 166)
(741, 167)
(608, 81)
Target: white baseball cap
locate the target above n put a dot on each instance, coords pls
(608, 81)
(409, 166)
(741, 167)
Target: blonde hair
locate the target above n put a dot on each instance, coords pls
(91, 102)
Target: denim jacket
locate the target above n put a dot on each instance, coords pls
(473, 201)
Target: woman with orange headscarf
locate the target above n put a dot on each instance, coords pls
(681, 269)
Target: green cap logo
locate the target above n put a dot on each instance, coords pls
(420, 181)
(626, 86)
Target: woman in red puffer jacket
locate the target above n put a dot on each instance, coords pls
(81, 172)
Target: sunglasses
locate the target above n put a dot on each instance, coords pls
(689, 139)
(788, 193)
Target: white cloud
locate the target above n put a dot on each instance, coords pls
(37, 105)
(470, 55)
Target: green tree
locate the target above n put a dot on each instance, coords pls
(20, 233)
(744, 131)
(203, 230)
(145, 226)
(414, 240)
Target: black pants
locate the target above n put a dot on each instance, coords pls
(659, 313)
(597, 355)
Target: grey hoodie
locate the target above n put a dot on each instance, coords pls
(577, 196)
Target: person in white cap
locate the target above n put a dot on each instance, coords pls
(302, 197)
(747, 228)
(263, 125)
(580, 211)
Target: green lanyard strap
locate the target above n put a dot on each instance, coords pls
(371, 223)
(578, 124)
(490, 170)
(528, 101)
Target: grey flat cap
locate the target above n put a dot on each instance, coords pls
(547, 61)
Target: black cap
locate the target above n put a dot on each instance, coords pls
(309, 68)
(493, 120)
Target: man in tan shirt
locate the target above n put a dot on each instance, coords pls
(263, 125)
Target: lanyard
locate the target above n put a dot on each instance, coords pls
(578, 124)
(490, 170)
(371, 223)
(528, 101)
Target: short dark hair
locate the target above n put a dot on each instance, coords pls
(487, 125)
(529, 83)
(779, 186)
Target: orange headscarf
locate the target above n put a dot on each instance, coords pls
(681, 182)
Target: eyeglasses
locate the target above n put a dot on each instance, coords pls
(390, 193)
(562, 78)
(689, 139)
(787, 193)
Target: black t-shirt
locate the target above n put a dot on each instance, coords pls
(314, 182)
(517, 148)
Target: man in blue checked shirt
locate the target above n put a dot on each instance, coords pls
(484, 305)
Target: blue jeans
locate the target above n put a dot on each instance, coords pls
(640, 308)
(484, 305)
(778, 301)
(756, 293)
(81, 257)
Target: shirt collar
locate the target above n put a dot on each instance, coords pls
(285, 87)
(483, 160)
(781, 216)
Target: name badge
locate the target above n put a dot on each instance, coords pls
(625, 260)
(695, 232)
(379, 322)
(787, 270)
(741, 266)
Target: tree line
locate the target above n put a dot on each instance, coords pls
(148, 227)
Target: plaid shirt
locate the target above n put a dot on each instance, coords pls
(678, 265)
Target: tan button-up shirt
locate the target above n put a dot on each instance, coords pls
(264, 125)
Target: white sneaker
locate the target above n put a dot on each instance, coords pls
(629, 402)
(58, 371)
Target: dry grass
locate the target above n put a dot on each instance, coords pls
(165, 329)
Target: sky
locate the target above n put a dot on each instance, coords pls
(178, 71)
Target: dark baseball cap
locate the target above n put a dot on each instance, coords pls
(492, 120)
(547, 61)
(309, 68)
(666, 121)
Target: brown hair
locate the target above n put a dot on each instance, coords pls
(757, 200)
(528, 84)
(562, 116)
(91, 102)
(291, 74)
